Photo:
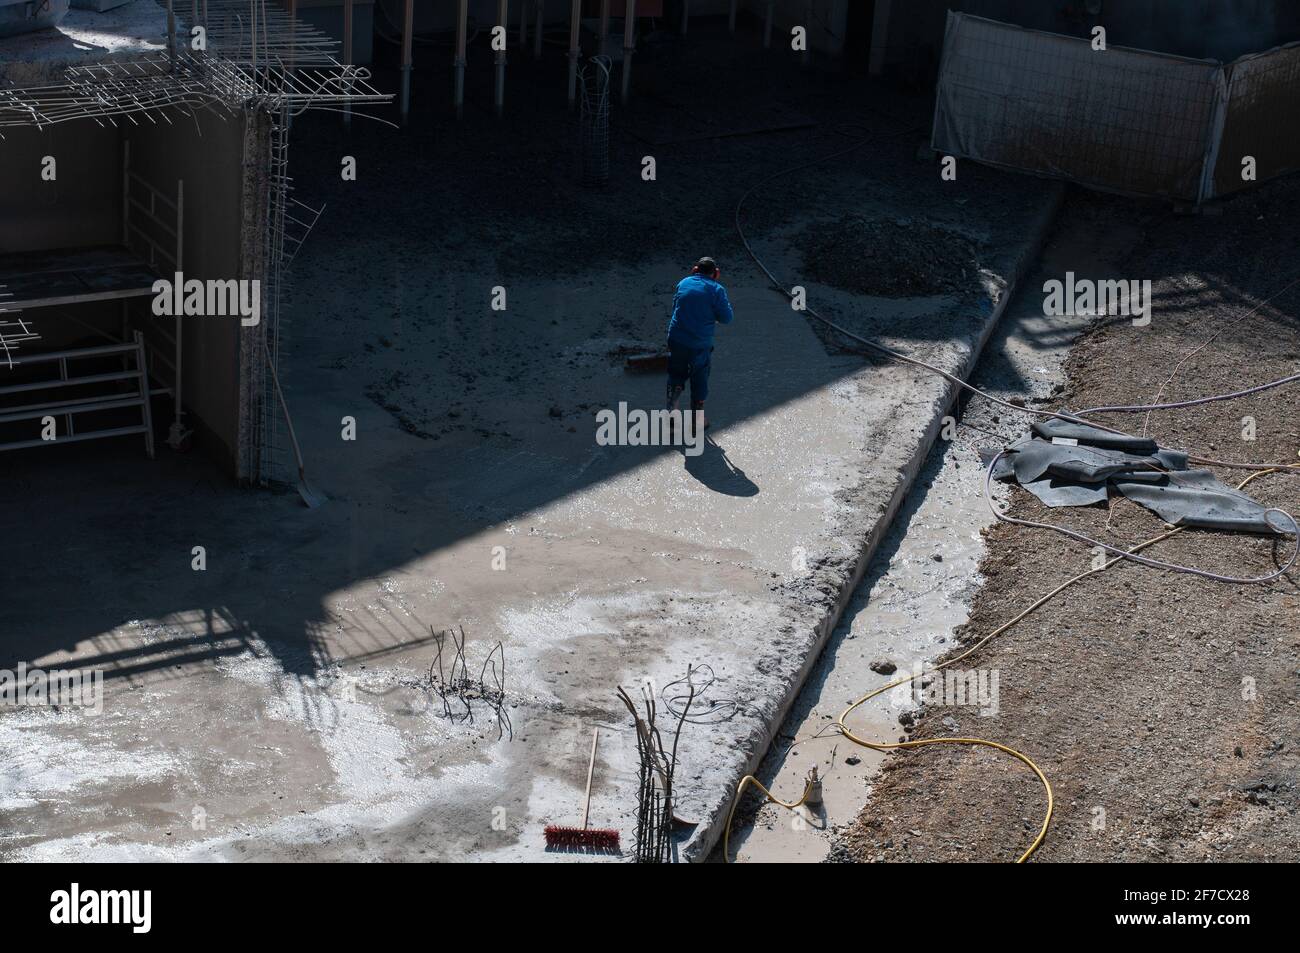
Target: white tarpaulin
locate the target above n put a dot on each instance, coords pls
(1260, 121)
(1119, 119)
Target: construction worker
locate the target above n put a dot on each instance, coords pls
(699, 304)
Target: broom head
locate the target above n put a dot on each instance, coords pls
(591, 838)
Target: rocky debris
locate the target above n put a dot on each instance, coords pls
(892, 259)
(883, 666)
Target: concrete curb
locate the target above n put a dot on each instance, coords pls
(702, 842)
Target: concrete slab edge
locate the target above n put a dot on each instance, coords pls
(707, 835)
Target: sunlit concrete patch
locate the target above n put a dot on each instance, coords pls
(45, 761)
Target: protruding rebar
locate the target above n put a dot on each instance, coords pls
(462, 27)
(499, 95)
(805, 57)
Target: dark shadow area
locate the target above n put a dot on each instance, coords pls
(718, 472)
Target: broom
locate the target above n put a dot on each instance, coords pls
(598, 839)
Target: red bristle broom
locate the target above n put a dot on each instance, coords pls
(592, 838)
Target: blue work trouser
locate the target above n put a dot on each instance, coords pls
(688, 363)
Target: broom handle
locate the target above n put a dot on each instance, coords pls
(591, 767)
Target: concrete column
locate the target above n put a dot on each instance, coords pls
(629, 47)
(805, 58)
(603, 48)
(408, 28)
(539, 6)
(499, 97)
(879, 38)
(686, 15)
(523, 24)
(767, 24)
(462, 27)
(292, 6)
(731, 16)
(171, 35)
(575, 50)
(347, 53)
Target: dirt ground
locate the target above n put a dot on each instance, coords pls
(1161, 706)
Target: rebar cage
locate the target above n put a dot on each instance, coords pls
(593, 122)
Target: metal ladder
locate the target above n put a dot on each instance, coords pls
(69, 409)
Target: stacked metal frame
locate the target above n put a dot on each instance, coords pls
(13, 332)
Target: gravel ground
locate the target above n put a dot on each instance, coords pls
(891, 259)
(1161, 706)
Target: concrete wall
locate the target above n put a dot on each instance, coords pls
(80, 207)
(206, 153)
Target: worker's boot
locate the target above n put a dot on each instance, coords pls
(697, 410)
(674, 392)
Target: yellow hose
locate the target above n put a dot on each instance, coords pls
(1018, 755)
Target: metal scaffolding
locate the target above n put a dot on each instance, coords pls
(252, 57)
(233, 58)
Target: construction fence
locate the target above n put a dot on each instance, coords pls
(1124, 120)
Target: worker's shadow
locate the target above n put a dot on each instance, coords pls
(715, 470)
